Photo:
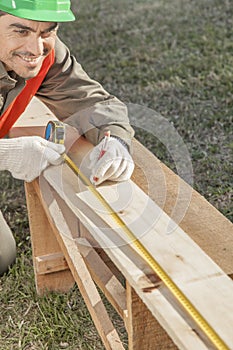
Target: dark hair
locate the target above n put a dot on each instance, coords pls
(2, 13)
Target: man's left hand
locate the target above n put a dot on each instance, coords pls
(116, 164)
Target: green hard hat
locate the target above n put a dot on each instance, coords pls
(39, 10)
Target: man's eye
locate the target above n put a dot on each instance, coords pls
(22, 31)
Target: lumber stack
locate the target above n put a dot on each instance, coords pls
(74, 239)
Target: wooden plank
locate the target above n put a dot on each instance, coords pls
(103, 256)
(212, 231)
(144, 332)
(103, 277)
(50, 263)
(33, 120)
(67, 241)
(177, 253)
(43, 243)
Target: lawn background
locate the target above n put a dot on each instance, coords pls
(175, 57)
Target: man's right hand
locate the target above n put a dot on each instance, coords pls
(26, 157)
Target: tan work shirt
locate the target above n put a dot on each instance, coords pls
(73, 97)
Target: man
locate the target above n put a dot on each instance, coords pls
(33, 61)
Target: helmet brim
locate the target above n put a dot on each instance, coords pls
(42, 15)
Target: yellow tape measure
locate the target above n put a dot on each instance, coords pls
(55, 132)
(142, 250)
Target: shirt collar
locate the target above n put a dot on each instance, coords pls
(3, 72)
(6, 78)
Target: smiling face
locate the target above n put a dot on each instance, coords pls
(25, 44)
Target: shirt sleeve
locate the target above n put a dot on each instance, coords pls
(4, 152)
(82, 102)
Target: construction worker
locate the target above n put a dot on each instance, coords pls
(35, 62)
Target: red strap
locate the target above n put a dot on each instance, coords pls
(21, 101)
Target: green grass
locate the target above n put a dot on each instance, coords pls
(175, 57)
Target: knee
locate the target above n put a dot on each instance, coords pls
(7, 256)
(7, 246)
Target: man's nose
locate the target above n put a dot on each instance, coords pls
(35, 45)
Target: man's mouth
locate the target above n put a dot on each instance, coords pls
(30, 60)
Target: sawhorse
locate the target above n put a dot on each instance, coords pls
(57, 266)
(56, 259)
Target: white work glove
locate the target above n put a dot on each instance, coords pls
(27, 157)
(116, 164)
